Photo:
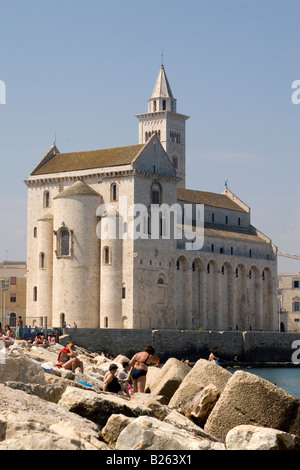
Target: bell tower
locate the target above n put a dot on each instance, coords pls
(163, 120)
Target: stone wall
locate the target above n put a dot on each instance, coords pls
(247, 346)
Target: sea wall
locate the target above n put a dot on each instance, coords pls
(247, 346)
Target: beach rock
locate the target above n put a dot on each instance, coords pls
(147, 433)
(249, 399)
(113, 428)
(202, 374)
(158, 409)
(20, 368)
(152, 378)
(171, 376)
(29, 422)
(248, 437)
(47, 392)
(98, 407)
(185, 424)
(202, 404)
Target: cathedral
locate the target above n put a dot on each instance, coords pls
(96, 257)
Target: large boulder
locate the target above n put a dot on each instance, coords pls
(202, 404)
(48, 392)
(113, 428)
(98, 407)
(202, 374)
(248, 437)
(147, 433)
(171, 376)
(154, 403)
(185, 424)
(29, 422)
(18, 367)
(249, 399)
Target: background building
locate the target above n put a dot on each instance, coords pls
(289, 302)
(76, 273)
(13, 292)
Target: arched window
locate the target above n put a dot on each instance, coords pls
(154, 106)
(13, 320)
(156, 193)
(106, 255)
(35, 294)
(161, 291)
(46, 200)
(42, 260)
(65, 243)
(114, 192)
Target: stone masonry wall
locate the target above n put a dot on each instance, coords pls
(247, 346)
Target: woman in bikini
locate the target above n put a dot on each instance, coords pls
(67, 358)
(139, 364)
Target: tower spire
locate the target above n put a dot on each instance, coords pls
(163, 120)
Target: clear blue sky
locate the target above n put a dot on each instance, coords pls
(83, 69)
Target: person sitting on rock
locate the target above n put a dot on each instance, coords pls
(8, 333)
(123, 378)
(111, 383)
(39, 339)
(68, 360)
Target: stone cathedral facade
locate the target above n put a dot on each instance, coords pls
(78, 272)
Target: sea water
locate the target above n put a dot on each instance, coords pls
(287, 378)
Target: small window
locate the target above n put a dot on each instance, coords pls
(161, 291)
(13, 281)
(123, 292)
(164, 105)
(175, 162)
(13, 298)
(212, 217)
(226, 219)
(106, 255)
(46, 199)
(156, 194)
(35, 232)
(35, 294)
(105, 322)
(296, 284)
(42, 260)
(296, 306)
(114, 192)
(65, 243)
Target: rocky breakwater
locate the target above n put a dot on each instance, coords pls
(44, 407)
